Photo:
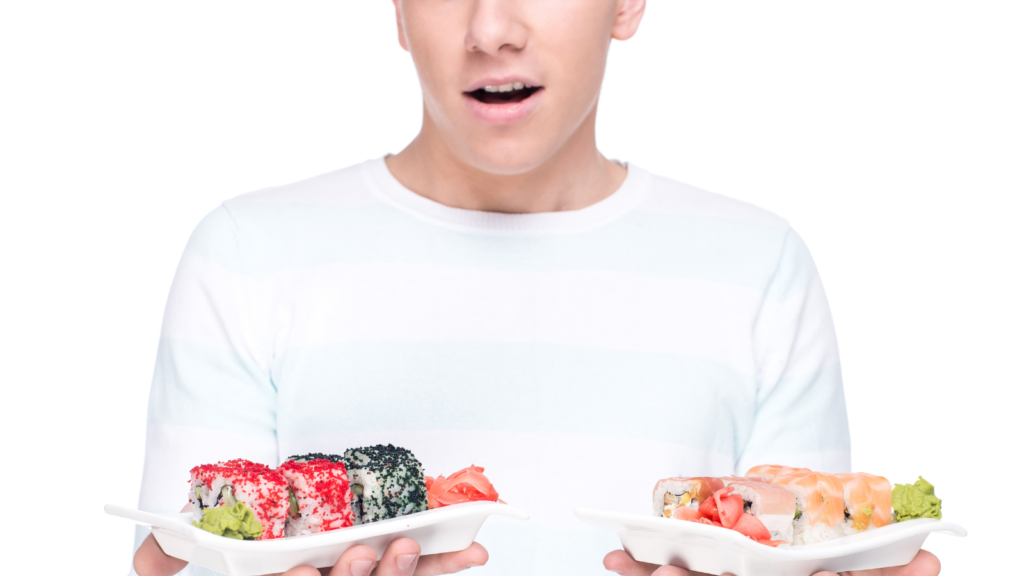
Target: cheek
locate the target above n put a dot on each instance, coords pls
(438, 52)
(578, 74)
(575, 55)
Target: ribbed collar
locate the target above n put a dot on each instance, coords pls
(495, 223)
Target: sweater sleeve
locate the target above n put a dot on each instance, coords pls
(212, 397)
(800, 419)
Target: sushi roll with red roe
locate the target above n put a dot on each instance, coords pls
(239, 499)
(320, 498)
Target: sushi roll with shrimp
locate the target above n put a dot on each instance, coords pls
(867, 502)
(239, 499)
(387, 482)
(671, 494)
(319, 497)
(773, 505)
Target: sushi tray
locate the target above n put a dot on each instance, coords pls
(447, 529)
(703, 548)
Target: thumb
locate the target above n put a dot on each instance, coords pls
(622, 563)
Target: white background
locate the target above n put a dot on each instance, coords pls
(889, 132)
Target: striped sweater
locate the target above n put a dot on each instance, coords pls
(578, 356)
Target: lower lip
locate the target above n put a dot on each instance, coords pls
(503, 113)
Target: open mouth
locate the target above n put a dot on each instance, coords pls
(504, 94)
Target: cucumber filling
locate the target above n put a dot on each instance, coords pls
(227, 494)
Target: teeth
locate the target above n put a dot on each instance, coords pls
(507, 87)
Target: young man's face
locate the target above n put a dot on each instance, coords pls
(508, 83)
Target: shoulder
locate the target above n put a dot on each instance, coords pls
(290, 225)
(702, 234)
(340, 188)
(672, 198)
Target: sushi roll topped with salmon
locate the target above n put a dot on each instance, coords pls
(868, 499)
(784, 506)
(819, 505)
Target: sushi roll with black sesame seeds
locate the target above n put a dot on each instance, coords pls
(318, 456)
(386, 481)
(319, 497)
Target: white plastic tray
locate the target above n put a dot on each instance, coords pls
(715, 550)
(447, 529)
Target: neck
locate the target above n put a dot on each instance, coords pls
(574, 177)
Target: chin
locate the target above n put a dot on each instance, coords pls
(508, 157)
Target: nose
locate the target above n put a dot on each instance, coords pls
(496, 26)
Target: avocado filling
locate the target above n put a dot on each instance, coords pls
(227, 495)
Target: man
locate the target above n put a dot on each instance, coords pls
(500, 294)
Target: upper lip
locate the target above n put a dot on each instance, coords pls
(499, 80)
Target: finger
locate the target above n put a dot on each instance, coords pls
(302, 571)
(452, 562)
(150, 560)
(356, 561)
(399, 559)
(620, 562)
(672, 571)
(924, 564)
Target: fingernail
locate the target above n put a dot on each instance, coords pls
(360, 567)
(405, 561)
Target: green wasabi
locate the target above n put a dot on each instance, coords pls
(238, 522)
(917, 500)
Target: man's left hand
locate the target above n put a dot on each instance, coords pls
(924, 564)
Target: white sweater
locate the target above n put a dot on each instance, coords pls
(578, 356)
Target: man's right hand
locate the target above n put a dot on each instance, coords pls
(402, 558)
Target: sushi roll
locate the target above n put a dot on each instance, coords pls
(768, 472)
(319, 497)
(387, 482)
(673, 493)
(773, 505)
(867, 502)
(239, 499)
(819, 505)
